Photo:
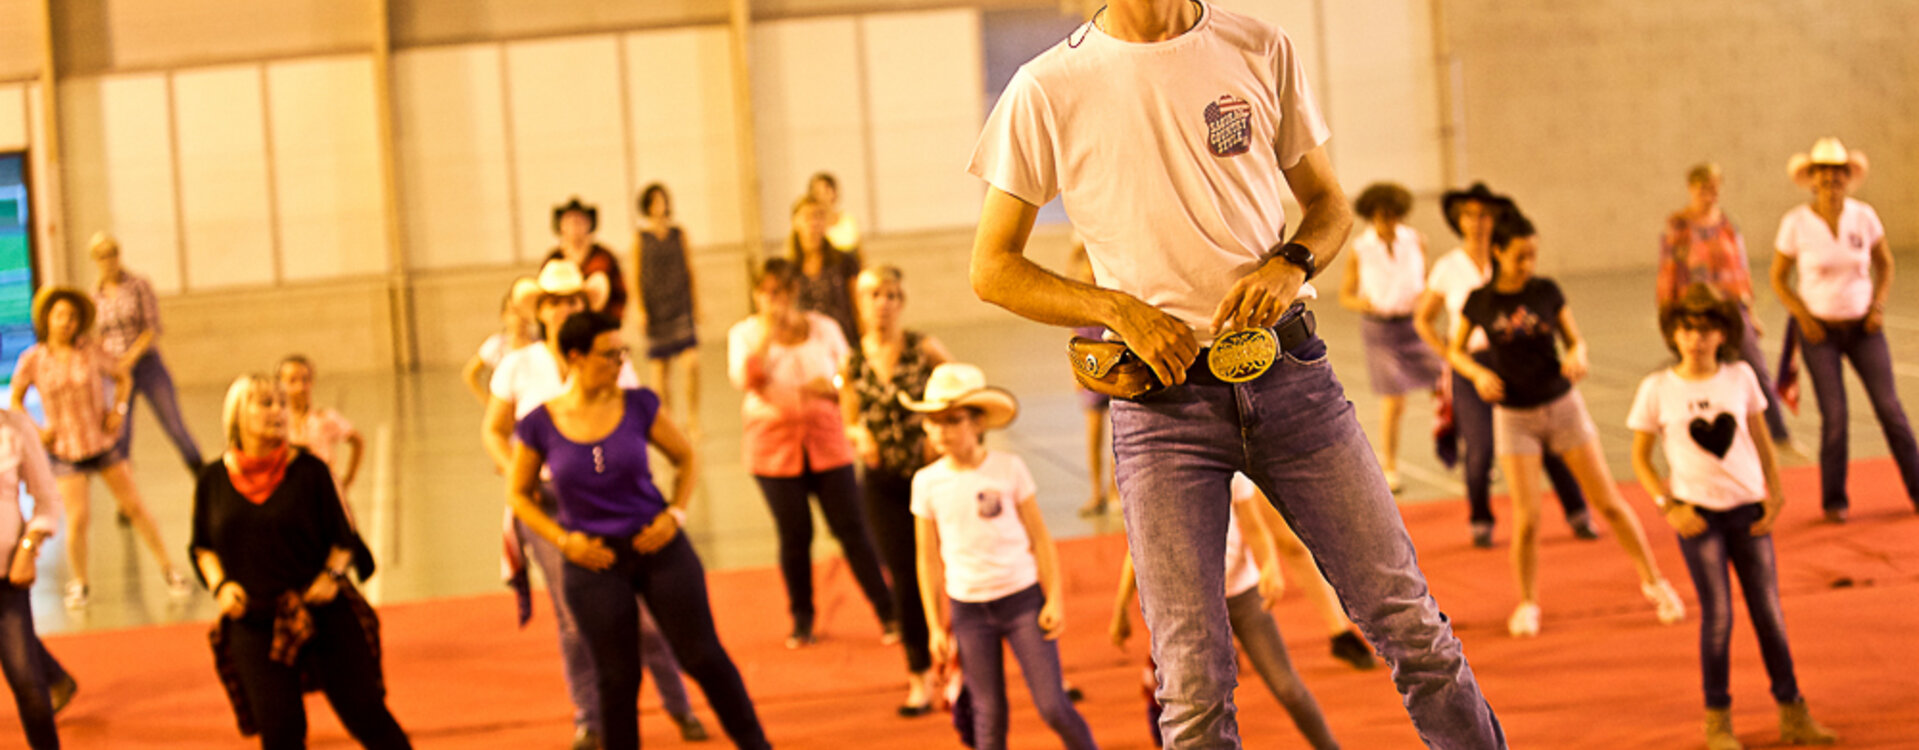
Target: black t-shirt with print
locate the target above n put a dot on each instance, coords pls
(1523, 329)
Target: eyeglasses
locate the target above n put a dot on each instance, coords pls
(615, 356)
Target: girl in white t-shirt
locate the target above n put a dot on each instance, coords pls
(1722, 498)
(517, 329)
(1384, 280)
(988, 570)
(1837, 248)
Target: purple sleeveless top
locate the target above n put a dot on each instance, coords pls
(605, 487)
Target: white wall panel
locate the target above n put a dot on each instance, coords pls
(223, 177)
(13, 117)
(1386, 102)
(808, 114)
(326, 167)
(681, 108)
(136, 158)
(924, 75)
(455, 206)
(568, 136)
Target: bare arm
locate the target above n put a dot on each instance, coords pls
(1259, 298)
(1643, 466)
(1349, 296)
(932, 573)
(22, 380)
(1881, 285)
(496, 433)
(1426, 320)
(1577, 362)
(1052, 614)
(523, 494)
(356, 449)
(1121, 627)
(679, 451)
(472, 375)
(1783, 266)
(139, 348)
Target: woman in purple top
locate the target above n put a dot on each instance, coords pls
(620, 536)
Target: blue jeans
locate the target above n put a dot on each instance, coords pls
(1727, 540)
(1259, 638)
(150, 377)
(1872, 361)
(1293, 432)
(29, 669)
(1755, 357)
(608, 614)
(582, 684)
(978, 630)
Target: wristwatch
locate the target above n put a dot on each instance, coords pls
(1299, 256)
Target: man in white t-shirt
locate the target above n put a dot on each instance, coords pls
(1173, 131)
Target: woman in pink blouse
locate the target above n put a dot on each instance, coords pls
(788, 362)
(70, 371)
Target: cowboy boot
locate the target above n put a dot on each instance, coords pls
(1796, 726)
(1719, 730)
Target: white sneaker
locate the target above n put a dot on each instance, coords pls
(1671, 609)
(1525, 621)
(177, 585)
(77, 595)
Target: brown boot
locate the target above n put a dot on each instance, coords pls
(1796, 727)
(1719, 730)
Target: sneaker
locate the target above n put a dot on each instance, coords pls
(1074, 694)
(890, 633)
(801, 637)
(584, 738)
(77, 595)
(177, 585)
(1350, 648)
(691, 730)
(1662, 596)
(1582, 524)
(1835, 515)
(61, 692)
(1483, 535)
(1525, 621)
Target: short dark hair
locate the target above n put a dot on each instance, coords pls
(1389, 198)
(826, 177)
(786, 271)
(581, 328)
(1699, 307)
(1512, 226)
(646, 198)
(294, 359)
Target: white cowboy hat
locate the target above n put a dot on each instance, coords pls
(561, 278)
(1827, 151)
(956, 384)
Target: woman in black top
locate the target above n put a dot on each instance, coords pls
(272, 542)
(1537, 411)
(826, 272)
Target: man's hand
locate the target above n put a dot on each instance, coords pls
(1259, 298)
(1160, 340)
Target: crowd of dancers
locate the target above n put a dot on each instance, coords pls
(884, 430)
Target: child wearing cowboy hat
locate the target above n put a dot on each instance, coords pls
(989, 573)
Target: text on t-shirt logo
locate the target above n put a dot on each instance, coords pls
(1229, 126)
(989, 504)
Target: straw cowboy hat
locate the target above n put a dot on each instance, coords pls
(559, 278)
(43, 303)
(956, 384)
(1479, 193)
(526, 291)
(1827, 152)
(574, 204)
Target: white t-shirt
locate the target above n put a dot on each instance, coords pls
(787, 368)
(493, 349)
(1391, 281)
(1167, 155)
(984, 545)
(1454, 277)
(530, 376)
(1835, 272)
(1242, 570)
(1703, 424)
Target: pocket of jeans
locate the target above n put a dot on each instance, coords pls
(1311, 353)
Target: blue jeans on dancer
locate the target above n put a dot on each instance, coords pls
(1293, 432)
(1872, 360)
(1727, 540)
(30, 670)
(978, 630)
(151, 379)
(1755, 357)
(607, 613)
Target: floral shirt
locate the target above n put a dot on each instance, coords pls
(1694, 253)
(897, 430)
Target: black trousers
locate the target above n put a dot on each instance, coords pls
(838, 493)
(673, 583)
(29, 669)
(889, 508)
(348, 671)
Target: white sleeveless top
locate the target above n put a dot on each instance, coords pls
(1391, 275)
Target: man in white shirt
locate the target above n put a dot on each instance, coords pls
(1174, 130)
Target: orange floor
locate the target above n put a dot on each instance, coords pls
(1602, 674)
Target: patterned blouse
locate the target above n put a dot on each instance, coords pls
(895, 429)
(74, 394)
(1696, 253)
(127, 311)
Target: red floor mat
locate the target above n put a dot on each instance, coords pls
(1603, 673)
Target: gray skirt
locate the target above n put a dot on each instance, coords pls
(1398, 361)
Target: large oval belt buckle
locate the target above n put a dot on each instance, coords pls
(1242, 355)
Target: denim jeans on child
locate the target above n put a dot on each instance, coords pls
(978, 629)
(1728, 540)
(1293, 432)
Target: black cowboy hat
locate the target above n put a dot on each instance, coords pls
(1479, 193)
(574, 204)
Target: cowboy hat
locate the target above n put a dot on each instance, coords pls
(43, 303)
(956, 384)
(560, 278)
(1827, 152)
(574, 204)
(1478, 193)
(526, 290)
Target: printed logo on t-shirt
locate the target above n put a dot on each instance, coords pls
(1714, 436)
(1520, 322)
(989, 504)
(1229, 126)
(1858, 242)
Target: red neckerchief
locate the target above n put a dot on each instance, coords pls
(256, 477)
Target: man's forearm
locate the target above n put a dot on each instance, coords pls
(1026, 289)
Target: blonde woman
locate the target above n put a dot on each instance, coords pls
(70, 371)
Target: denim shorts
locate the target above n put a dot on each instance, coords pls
(1555, 427)
(93, 464)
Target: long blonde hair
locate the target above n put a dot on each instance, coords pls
(238, 394)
